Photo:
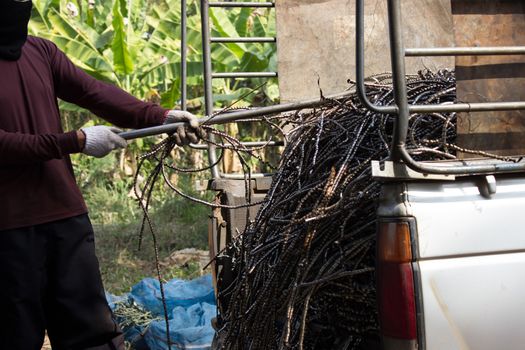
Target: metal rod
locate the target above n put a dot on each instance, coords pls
(206, 53)
(241, 4)
(236, 75)
(208, 92)
(468, 107)
(399, 152)
(361, 88)
(233, 116)
(465, 51)
(245, 144)
(460, 169)
(244, 40)
(399, 78)
(360, 63)
(242, 176)
(184, 56)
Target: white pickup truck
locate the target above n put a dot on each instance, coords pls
(451, 263)
(451, 242)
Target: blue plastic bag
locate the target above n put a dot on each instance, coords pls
(191, 307)
(190, 328)
(178, 293)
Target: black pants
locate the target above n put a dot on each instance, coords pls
(50, 279)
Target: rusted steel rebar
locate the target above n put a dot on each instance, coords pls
(305, 267)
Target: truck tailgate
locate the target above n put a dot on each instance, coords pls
(471, 263)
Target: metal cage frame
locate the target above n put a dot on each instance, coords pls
(402, 108)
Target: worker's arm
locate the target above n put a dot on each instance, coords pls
(17, 148)
(112, 103)
(97, 141)
(105, 100)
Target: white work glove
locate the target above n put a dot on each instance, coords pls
(185, 134)
(100, 140)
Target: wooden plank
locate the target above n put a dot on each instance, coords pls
(490, 78)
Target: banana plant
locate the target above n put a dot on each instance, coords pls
(244, 57)
(135, 44)
(109, 40)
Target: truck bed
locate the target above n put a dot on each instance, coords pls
(469, 260)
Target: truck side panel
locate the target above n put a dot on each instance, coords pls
(474, 302)
(454, 219)
(471, 262)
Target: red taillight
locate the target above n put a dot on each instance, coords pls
(395, 280)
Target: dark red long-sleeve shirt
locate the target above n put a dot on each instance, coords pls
(37, 183)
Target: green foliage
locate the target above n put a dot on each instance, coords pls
(111, 40)
(119, 45)
(135, 44)
(108, 195)
(122, 265)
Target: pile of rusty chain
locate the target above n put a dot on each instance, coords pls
(305, 267)
(163, 166)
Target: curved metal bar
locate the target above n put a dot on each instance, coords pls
(208, 92)
(183, 55)
(234, 116)
(399, 78)
(399, 151)
(465, 51)
(458, 170)
(360, 62)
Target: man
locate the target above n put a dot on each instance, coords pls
(49, 273)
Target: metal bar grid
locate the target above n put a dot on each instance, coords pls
(184, 56)
(241, 4)
(403, 110)
(465, 51)
(209, 75)
(243, 40)
(208, 92)
(235, 75)
(234, 116)
(459, 107)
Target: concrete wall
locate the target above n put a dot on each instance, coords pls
(316, 40)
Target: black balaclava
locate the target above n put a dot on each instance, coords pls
(14, 17)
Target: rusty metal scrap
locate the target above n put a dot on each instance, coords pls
(305, 267)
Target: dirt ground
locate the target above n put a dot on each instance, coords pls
(178, 259)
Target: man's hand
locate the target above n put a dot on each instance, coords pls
(100, 140)
(184, 135)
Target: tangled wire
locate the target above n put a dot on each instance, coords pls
(304, 268)
(163, 167)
